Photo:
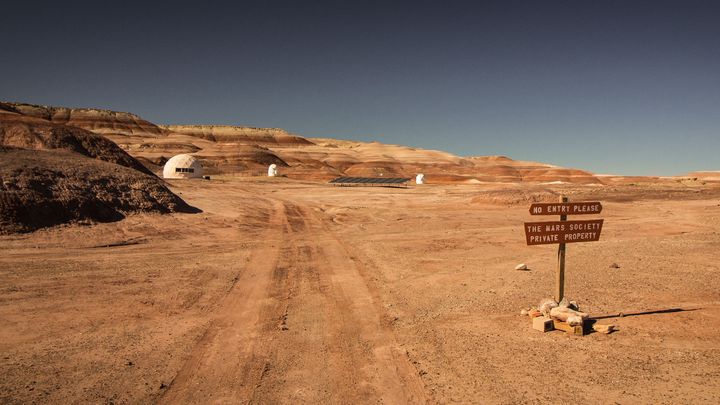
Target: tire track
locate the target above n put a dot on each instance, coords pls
(230, 359)
(300, 326)
(337, 348)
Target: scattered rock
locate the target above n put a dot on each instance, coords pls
(524, 312)
(546, 305)
(614, 266)
(521, 266)
(604, 328)
(564, 314)
(574, 320)
(162, 386)
(565, 303)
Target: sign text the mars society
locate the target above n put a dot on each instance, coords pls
(539, 233)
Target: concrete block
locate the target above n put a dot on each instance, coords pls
(543, 324)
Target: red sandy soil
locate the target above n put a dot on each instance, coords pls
(284, 291)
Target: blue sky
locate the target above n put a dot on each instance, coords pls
(624, 87)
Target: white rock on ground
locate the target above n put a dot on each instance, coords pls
(521, 266)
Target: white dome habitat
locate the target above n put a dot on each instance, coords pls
(182, 167)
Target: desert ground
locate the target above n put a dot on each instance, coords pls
(286, 291)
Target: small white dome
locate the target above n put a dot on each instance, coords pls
(420, 179)
(272, 170)
(182, 167)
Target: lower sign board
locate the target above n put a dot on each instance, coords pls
(544, 233)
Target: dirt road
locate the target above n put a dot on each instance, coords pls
(300, 325)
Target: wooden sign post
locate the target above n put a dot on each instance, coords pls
(563, 231)
(561, 261)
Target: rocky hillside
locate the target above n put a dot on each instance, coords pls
(52, 174)
(248, 151)
(322, 159)
(95, 120)
(241, 135)
(51, 187)
(36, 133)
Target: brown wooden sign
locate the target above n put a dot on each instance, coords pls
(563, 231)
(565, 208)
(544, 233)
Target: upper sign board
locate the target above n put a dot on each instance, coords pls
(573, 208)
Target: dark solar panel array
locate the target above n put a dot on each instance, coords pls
(370, 180)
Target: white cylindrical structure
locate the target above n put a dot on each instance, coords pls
(272, 170)
(420, 179)
(182, 167)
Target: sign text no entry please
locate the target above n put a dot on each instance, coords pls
(574, 208)
(542, 233)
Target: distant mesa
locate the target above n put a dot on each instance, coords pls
(242, 135)
(92, 119)
(492, 158)
(705, 176)
(165, 147)
(248, 151)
